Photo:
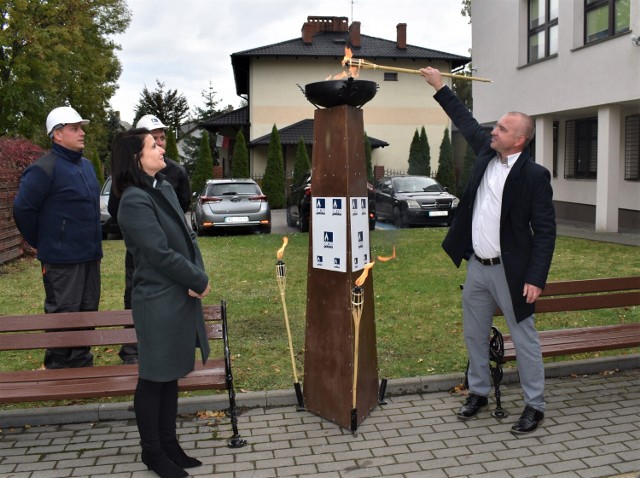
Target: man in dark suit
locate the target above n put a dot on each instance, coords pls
(505, 229)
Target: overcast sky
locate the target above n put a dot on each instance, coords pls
(188, 43)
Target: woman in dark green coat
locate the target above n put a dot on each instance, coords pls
(168, 284)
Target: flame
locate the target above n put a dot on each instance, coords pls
(365, 273)
(353, 71)
(280, 253)
(392, 256)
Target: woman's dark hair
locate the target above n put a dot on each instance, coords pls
(126, 169)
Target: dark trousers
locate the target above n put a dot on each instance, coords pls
(128, 351)
(156, 408)
(70, 288)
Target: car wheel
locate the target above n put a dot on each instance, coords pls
(397, 218)
(194, 226)
(304, 222)
(290, 221)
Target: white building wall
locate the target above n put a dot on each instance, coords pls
(599, 80)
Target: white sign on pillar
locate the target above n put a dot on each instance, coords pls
(359, 213)
(329, 241)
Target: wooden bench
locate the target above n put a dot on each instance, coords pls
(101, 328)
(567, 296)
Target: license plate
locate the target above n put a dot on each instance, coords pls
(438, 213)
(236, 219)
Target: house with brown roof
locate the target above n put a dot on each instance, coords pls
(272, 78)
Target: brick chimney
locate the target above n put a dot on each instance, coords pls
(354, 34)
(401, 43)
(315, 24)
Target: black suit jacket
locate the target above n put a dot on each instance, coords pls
(527, 219)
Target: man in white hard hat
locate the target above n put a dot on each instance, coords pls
(177, 176)
(57, 210)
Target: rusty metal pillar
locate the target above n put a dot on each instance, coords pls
(339, 170)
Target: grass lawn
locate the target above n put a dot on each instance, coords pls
(417, 300)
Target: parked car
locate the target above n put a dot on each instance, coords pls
(231, 204)
(298, 204)
(414, 200)
(109, 226)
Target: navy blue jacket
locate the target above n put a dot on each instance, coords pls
(527, 219)
(57, 208)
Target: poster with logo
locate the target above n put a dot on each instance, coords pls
(329, 241)
(359, 214)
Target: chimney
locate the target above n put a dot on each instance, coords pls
(354, 34)
(402, 36)
(307, 33)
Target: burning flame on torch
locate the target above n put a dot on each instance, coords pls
(365, 273)
(392, 256)
(353, 71)
(280, 253)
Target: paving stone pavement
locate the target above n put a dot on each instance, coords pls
(591, 429)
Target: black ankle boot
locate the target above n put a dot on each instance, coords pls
(177, 455)
(158, 462)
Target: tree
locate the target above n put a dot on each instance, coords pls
(467, 168)
(301, 165)
(92, 155)
(240, 158)
(168, 106)
(57, 53)
(446, 174)
(204, 164)
(210, 109)
(425, 153)
(273, 181)
(414, 154)
(462, 88)
(466, 9)
(367, 159)
(172, 146)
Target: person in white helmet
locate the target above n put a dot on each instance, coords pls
(176, 175)
(57, 210)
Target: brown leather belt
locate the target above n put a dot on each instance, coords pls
(489, 262)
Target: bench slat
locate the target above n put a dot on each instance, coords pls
(78, 320)
(111, 380)
(587, 302)
(591, 286)
(581, 340)
(81, 338)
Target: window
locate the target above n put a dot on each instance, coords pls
(632, 148)
(581, 149)
(605, 18)
(390, 76)
(543, 29)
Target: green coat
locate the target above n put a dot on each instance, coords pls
(169, 323)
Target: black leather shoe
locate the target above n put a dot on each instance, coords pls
(472, 405)
(529, 420)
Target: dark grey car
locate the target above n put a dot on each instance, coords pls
(414, 200)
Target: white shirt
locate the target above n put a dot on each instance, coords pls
(487, 207)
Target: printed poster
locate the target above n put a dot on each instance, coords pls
(329, 241)
(360, 251)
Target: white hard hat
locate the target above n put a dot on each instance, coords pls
(150, 122)
(63, 115)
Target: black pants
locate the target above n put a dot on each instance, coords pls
(129, 350)
(156, 407)
(70, 288)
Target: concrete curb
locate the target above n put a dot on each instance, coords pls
(96, 412)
